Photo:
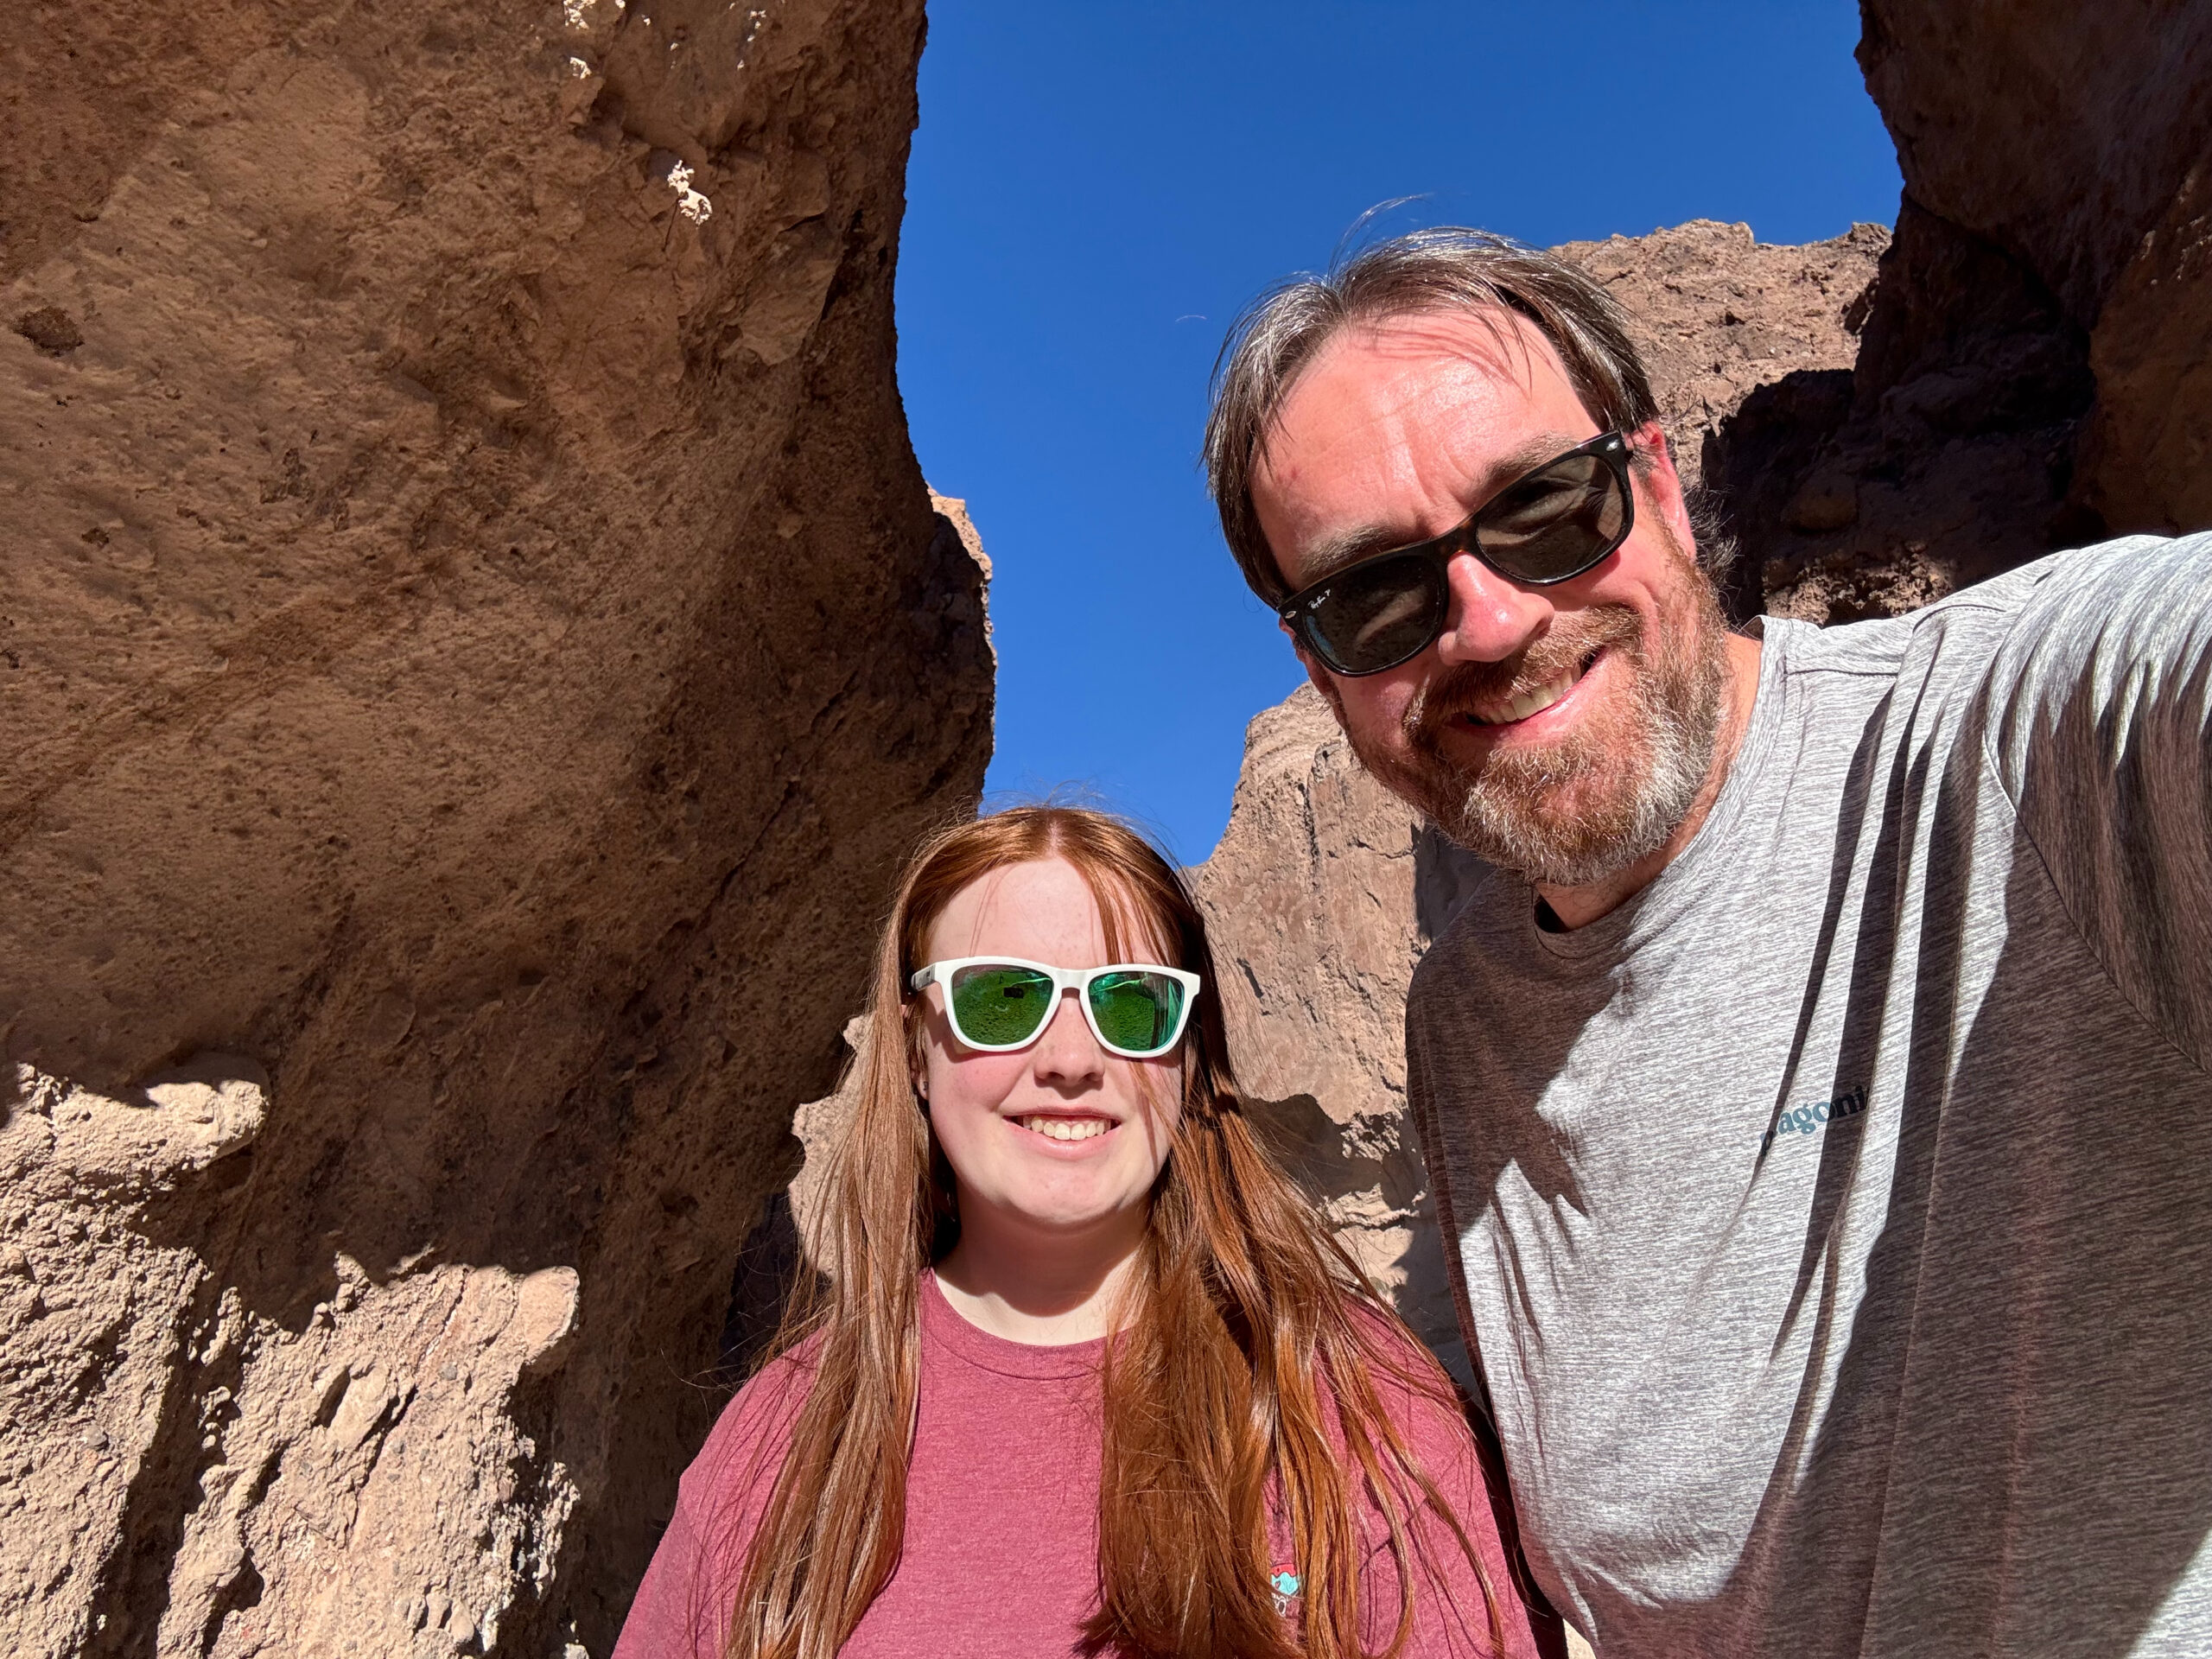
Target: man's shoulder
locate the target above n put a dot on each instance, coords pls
(1482, 931)
(1885, 646)
(1948, 650)
(1987, 610)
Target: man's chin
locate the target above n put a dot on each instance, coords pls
(1560, 837)
(1569, 815)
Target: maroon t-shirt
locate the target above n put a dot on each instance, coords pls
(1000, 1560)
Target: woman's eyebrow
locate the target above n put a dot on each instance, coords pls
(1340, 547)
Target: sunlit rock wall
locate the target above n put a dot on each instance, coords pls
(474, 644)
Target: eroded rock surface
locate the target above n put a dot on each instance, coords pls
(474, 643)
(369, 1471)
(1726, 323)
(2035, 367)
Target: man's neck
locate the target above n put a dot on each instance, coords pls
(1579, 907)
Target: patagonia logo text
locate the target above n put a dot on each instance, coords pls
(1811, 1120)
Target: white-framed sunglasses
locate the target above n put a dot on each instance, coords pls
(996, 1004)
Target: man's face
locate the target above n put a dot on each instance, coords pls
(1564, 731)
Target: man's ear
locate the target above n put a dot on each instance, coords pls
(1658, 482)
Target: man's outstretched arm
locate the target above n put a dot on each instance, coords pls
(2101, 732)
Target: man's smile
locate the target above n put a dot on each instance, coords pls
(1515, 707)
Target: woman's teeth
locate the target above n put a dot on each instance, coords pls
(1065, 1128)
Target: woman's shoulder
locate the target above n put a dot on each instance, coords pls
(1423, 1408)
(1432, 1420)
(744, 1451)
(1405, 1375)
(683, 1606)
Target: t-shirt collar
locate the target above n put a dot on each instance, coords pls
(943, 1326)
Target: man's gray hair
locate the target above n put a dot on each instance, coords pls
(1441, 269)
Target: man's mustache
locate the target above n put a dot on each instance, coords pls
(1466, 688)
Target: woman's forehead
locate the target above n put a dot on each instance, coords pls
(1045, 910)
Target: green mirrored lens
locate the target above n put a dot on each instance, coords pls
(1136, 1011)
(993, 1005)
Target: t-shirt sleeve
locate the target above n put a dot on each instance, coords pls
(2101, 730)
(1450, 1613)
(683, 1607)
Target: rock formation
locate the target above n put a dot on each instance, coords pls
(1324, 892)
(1721, 317)
(474, 645)
(2034, 373)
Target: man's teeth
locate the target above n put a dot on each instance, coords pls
(1065, 1128)
(1532, 702)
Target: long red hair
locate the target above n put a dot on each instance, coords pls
(1245, 1333)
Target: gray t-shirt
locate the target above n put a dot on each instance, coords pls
(1832, 1220)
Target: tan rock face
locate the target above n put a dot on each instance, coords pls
(1718, 314)
(2146, 458)
(2059, 133)
(473, 640)
(1728, 326)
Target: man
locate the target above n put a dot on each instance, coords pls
(1815, 1089)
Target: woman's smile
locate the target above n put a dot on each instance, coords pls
(1065, 1128)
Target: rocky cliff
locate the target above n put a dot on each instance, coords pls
(2034, 372)
(474, 646)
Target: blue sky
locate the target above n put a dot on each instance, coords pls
(1096, 190)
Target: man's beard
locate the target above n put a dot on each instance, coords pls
(1585, 807)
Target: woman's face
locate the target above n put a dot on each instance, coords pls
(1061, 1135)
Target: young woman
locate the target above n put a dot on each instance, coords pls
(1084, 1373)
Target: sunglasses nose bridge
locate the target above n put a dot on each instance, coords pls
(1050, 1044)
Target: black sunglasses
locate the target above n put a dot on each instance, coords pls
(1552, 523)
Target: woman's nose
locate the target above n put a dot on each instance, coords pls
(1067, 1050)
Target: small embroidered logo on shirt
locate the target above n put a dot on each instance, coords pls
(1810, 1120)
(1285, 1582)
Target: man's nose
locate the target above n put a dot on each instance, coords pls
(1492, 617)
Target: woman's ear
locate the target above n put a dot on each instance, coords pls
(917, 1059)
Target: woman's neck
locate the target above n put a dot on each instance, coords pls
(1041, 1288)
